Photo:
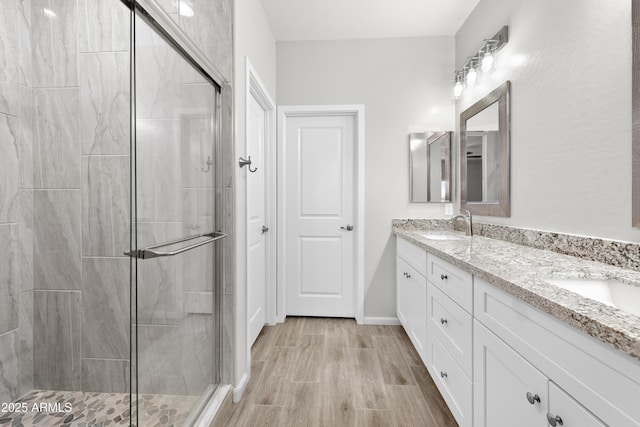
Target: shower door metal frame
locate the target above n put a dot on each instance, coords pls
(168, 29)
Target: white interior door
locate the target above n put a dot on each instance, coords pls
(256, 238)
(320, 207)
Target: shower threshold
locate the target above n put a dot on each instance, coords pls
(44, 408)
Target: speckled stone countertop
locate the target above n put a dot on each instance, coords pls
(521, 271)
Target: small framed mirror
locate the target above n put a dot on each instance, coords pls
(484, 155)
(430, 167)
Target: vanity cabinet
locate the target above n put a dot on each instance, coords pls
(411, 293)
(498, 361)
(510, 391)
(584, 381)
(449, 339)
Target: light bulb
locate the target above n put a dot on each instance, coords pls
(185, 9)
(487, 62)
(472, 76)
(457, 89)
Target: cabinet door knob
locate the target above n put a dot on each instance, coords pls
(443, 277)
(408, 276)
(443, 321)
(443, 374)
(533, 398)
(404, 273)
(554, 420)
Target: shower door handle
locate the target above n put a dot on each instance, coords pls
(149, 252)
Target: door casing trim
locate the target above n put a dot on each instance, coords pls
(285, 112)
(256, 89)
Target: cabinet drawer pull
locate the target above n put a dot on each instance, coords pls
(554, 420)
(404, 273)
(443, 277)
(533, 398)
(443, 374)
(408, 276)
(443, 321)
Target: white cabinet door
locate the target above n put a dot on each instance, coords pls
(403, 293)
(566, 412)
(508, 391)
(418, 323)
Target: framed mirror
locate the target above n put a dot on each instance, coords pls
(430, 167)
(484, 155)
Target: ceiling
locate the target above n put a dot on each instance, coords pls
(365, 19)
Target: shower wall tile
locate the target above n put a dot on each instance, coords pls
(10, 274)
(105, 205)
(105, 376)
(56, 150)
(9, 169)
(25, 240)
(54, 43)
(105, 308)
(104, 102)
(56, 332)
(227, 243)
(9, 3)
(169, 6)
(57, 239)
(160, 366)
(197, 364)
(9, 59)
(196, 149)
(9, 374)
(198, 303)
(159, 284)
(159, 72)
(104, 26)
(25, 145)
(25, 336)
(197, 210)
(227, 339)
(25, 62)
(225, 145)
(158, 170)
(216, 43)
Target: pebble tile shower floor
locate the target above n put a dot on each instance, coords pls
(98, 410)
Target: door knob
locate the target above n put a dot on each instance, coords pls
(349, 227)
(264, 229)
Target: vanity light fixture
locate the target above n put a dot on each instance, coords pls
(458, 88)
(483, 59)
(472, 74)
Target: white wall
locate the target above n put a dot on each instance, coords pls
(253, 39)
(404, 85)
(570, 66)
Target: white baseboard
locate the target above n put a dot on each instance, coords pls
(239, 390)
(391, 321)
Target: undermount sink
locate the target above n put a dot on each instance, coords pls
(443, 237)
(610, 292)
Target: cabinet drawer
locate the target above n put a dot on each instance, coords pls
(412, 254)
(570, 412)
(453, 326)
(456, 283)
(602, 379)
(455, 387)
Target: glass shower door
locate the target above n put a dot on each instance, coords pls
(175, 316)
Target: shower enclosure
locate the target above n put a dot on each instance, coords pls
(111, 216)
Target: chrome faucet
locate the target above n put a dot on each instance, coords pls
(465, 215)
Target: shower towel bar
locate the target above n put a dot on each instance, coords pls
(148, 252)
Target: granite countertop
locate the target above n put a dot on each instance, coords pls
(521, 271)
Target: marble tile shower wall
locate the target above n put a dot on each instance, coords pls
(64, 162)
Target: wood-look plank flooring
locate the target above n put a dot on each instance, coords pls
(334, 372)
